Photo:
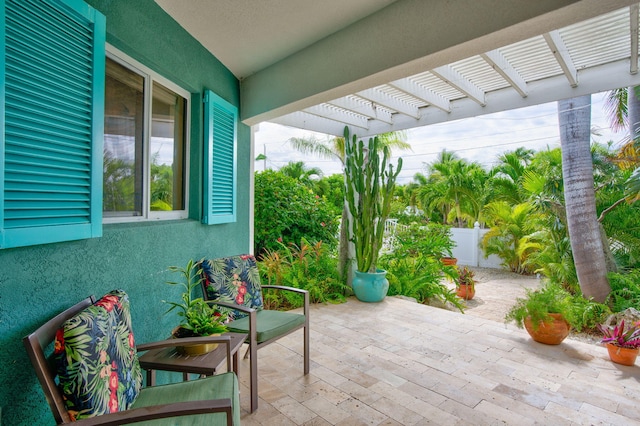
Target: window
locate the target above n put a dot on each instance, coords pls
(145, 141)
(52, 106)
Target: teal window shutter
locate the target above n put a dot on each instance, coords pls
(220, 128)
(52, 119)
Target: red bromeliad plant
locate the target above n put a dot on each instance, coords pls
(617, 335)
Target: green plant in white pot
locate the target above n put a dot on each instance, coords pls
(369, 186)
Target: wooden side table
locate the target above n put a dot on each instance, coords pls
(168, 359)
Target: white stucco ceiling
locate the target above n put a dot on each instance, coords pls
(249, 35)
(382, 65)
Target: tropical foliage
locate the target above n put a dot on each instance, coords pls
(537, 305)
(286, 211)
(522, 201)
(308, 266)
(414, 268)
(198, 318)
(511, 226)
(619, 335)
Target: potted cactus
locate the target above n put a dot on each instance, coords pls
(369, 187)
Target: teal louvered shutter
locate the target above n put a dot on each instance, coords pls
(220, 128)
(52, 115)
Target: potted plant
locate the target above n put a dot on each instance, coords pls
(198, 317)
(466, 284)
(547, 314)
(369, 186)
(623, 343)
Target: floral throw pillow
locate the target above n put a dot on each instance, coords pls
(98, 369)
(233, 279)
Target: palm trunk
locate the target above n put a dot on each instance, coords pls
(574, 116)
(633, 111)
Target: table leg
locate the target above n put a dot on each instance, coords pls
(151, 377)
(235, 363)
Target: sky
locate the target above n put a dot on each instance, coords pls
(481, 139)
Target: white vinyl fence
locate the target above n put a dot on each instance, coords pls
(467, 249)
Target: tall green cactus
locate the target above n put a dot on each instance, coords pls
(369, 187)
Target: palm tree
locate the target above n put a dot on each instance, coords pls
(334, 149)
(574, 117)
(623, 107)
(458, 188)
(298, 171)
(506, 177)
(507, 238)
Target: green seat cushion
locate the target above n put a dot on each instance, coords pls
(270, 324)
(215, 387)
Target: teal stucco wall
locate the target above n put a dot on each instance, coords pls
(38, 282)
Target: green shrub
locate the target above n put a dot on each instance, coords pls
(287, 211)
(579, 312)
(414, 268)
(311, 267)
(625, 290)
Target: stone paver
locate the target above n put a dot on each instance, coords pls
(401, 363)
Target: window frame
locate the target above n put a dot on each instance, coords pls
(150, 76)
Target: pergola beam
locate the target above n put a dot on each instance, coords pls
(414, 89)
(633, 30)
(332, 113)
(500, 64)
(389, 102)
(363, 107)
(457, 80)
(561, 53)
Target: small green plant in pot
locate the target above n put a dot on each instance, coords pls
(466, 284)
(548, 314)
(369, 186)
(198, 317)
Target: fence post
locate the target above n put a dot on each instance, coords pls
(475, 239)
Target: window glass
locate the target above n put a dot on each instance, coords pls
(166, 147)
(123, 141)
(144, 146)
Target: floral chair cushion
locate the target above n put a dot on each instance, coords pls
(233, 279)
(98, 369)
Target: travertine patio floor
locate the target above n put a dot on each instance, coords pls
(401, 363)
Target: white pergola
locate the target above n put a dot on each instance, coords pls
(381, 65)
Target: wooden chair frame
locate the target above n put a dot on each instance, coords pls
(252, 339)
(36, 342)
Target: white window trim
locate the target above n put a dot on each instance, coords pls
(149, 77)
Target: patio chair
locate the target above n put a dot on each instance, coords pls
(234, 282)
(92, 375)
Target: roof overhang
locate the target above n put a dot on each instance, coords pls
(414, 63)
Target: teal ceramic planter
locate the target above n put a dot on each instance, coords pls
(369, 286)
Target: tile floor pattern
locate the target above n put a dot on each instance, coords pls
(402, 363)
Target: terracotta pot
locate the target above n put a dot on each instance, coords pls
(449, 261)
(550, 333)
(465, 292)
(193, 350)
(622, 356)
